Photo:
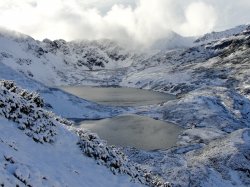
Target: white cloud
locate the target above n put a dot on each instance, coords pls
(129, 21)
(200, 18)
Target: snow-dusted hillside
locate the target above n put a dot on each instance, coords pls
(61, 103)
(37, 148)
(59, 62)
(221, 35)
(173, 41)
(224, 161)
(105, 63)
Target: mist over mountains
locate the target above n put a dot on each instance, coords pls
(137, 23)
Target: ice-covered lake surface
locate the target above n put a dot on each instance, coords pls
(128, 130)
(118, 96)
(135, 131)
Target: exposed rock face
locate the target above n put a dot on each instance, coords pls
(224, 161)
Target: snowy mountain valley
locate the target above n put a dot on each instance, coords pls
(40, 146)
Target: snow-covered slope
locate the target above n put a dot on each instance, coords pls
(61, 103)
(222, 34)
(57, 62)
(173, 41)
(221, 162)
(212, 83)
(106, 63)
(37, 148)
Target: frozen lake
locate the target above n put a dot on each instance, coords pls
(128, 130)
(118, 96)
(135, 131)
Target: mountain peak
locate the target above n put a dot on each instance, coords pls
(222, 34)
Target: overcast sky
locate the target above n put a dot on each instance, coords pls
(139, 21)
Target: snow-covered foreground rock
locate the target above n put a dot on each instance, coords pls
(222, 162)
(37, 148)
(24, 162)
